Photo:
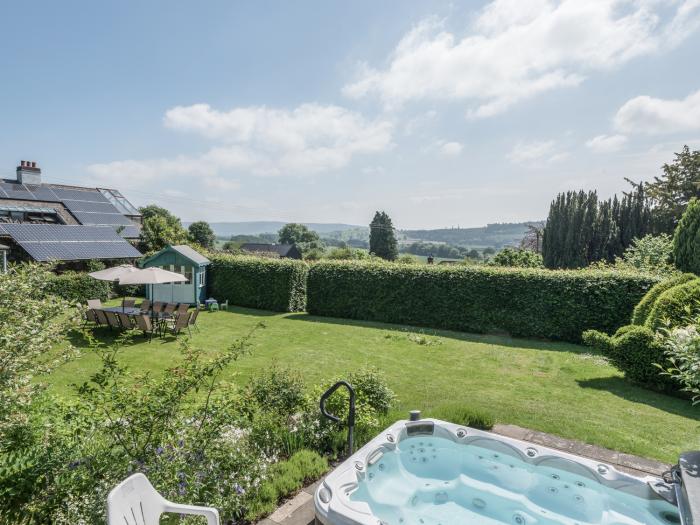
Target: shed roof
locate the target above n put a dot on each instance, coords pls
(191, 254)
(281, 249)
(185, 251)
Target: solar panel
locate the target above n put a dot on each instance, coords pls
(68, 243)
(101, 218)
(103, 207)
(16, 191)
(79, 251)
(42, 193)
(79, 195)
(129, 232)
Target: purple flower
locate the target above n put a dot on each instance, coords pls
(239, 489)
(159, 451)
(180, 442)
(181, 488)
(180, 475)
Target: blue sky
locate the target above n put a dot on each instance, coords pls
(441, 114)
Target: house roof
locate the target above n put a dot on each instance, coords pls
(188, 253)
(281, 249)
(89, 206)
(63, 242)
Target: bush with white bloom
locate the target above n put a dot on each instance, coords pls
(682, 348)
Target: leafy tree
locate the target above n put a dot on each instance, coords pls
(518, 258)
(160, 228)
(488, 251)
(33, 330)
(651, 254)
(686, 240)
(671, 192)
(382, 240)
(201, 233)
(305, 240)
(473, 254)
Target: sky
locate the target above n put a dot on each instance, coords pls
(442, 114)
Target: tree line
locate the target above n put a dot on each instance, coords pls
(582, 229)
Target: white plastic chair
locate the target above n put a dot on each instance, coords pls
(135, 502)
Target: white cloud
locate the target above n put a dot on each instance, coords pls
(451, 149)
(606, 143)
(526, 152)
(258, 140)
(517, 49)
(650, 115)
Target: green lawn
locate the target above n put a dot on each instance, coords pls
(553, 387)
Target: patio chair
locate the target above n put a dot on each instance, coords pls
(101, 317)
(91, 317)
(181, 321)
(128, 303)
(224, 306)
(193, 319)
(135, 502)
(158, 307)
(94, 303)
(112, 320)
(169, 308)
(125, 320)
(143, 323)
(182, 308)
(145, 305)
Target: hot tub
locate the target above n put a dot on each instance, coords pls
(431, 472)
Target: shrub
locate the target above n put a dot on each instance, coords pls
(686, 239)
(641, 311)
(674, 305)
(268, 284)
(651, 254)
(277, 389)
(285, 478)
(634, 350)
(78, 287)
(463, 415)
(522, 302)
(682, 350)
(518, 258)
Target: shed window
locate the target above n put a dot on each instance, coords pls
(187, 272)
(202, 277)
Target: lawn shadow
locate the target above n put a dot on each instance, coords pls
(624, 389)
(242, 310)
(500, 339)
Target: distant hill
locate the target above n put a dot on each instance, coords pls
(226, 229)
(494, 235)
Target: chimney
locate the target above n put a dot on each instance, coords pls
(28, 173)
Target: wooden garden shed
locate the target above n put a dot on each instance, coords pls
(180, 259)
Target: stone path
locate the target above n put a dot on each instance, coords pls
(300, 509)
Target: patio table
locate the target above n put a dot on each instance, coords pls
(135, 310)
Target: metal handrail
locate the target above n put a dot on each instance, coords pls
(351, 411)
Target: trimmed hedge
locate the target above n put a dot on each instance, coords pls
(78, 287)
(523, 302)
(642, 310)
(267, 284)
(675, 305)
(634, 350)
